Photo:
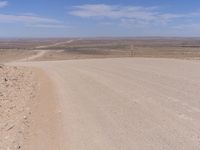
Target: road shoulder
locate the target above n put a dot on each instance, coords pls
(45, 124)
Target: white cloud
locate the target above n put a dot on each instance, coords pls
(9, 18)
(114, 11)
(3, 4)
(31, 20)
(129, 14)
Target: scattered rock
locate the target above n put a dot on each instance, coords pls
(11, 127)
(1, 66)
(17, 89)
(18, 147)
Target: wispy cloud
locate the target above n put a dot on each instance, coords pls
(10, 18)
(3, 4)
(134, 14)
(113, 11)
(56, 26)
(31, 20)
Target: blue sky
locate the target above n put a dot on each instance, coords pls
(83, 18)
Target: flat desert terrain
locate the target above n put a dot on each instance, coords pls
(143, 96)
(89, 48)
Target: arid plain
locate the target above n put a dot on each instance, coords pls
(100, 93)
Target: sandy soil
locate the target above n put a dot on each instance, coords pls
(15, 55)
(28, 110)
(17, 90)
(115, 104)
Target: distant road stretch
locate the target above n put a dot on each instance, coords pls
(41, 53)
(56, 44)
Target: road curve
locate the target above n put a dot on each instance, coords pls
(39, 54)
(126, 104)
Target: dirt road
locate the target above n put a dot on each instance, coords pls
(39, 53)
(56, 44)
(124, 104)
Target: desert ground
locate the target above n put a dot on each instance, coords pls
(77, 48)
(101, 93)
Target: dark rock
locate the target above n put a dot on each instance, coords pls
(1, 66)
